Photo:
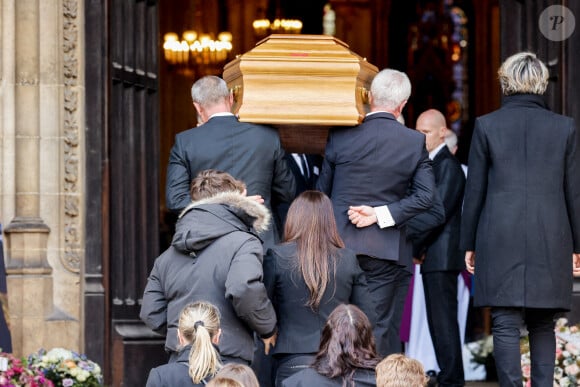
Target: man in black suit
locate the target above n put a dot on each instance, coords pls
(438, 251)
(250, 153)
(305, 168)
(380, 172)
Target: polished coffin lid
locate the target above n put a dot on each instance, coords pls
(302, 85)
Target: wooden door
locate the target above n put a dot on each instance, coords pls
(122, 184)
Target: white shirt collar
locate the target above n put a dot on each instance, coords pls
(434, 152)
(221, 114)
(378, 111)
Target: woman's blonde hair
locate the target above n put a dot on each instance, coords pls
(523, 73)
(398, 370)
(199, 323)
(240, 372)
(224, 382)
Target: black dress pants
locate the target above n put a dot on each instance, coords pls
(440, 289)
(506, 328)
(388, 283)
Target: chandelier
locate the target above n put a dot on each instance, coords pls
(263, 27)
(201, 52)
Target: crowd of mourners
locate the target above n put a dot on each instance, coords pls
(286, 270)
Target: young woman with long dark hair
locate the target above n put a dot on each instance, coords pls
(347, 355)
(308, 275)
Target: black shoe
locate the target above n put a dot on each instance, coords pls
(432, 375)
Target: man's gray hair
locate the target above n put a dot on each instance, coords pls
(450, 139)
(209, 90)
(523, 73)
(390, 88)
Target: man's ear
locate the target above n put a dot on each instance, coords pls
(197, 107)
(180, 338)
(216, 338)
(399, 109)
(442, 131)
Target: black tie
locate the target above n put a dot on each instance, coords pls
(304, 163)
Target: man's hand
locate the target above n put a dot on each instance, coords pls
(362, 216)
(576, 264)
(256, 198)
(270, 342)
(470, 261)
(420, 260)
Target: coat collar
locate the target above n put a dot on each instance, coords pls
(183, 354)
(241, 204)
(443, 153)
(378, 115)
(524, 100)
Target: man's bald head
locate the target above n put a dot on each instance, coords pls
(432, 124)
(432, 117)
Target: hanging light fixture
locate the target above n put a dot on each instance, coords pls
(263, 27)
(194, 50)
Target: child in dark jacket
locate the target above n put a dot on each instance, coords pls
(215, 256)
(198, 359)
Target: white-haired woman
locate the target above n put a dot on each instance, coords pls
(198, 359)
(521, 218)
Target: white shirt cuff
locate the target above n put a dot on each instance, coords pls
(384, 218)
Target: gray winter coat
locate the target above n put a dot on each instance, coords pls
(215, 256)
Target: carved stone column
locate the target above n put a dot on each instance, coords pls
(30, 280)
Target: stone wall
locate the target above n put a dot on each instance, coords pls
(41, 162)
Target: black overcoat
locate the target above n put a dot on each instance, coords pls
(521, 210)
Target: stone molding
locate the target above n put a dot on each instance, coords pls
(71, 259)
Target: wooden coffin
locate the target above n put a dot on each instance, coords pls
(301, 84)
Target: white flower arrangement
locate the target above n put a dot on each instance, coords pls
(567, 365)
(66, 368)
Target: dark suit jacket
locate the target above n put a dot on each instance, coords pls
(376, 163)
(521, 212)
(314, 165)
(250, 153)
(173, 374)
(441, 244)
(299, 327)
(309, 377)
(280, 209)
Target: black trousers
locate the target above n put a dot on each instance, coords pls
(264, 366)
(506, 325)
(388, 283)
(441, 303)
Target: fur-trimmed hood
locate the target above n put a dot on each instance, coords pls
(208, 219)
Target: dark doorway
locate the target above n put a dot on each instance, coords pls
(122, 184)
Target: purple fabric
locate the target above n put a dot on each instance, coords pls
(466, 279)
(405, 329)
